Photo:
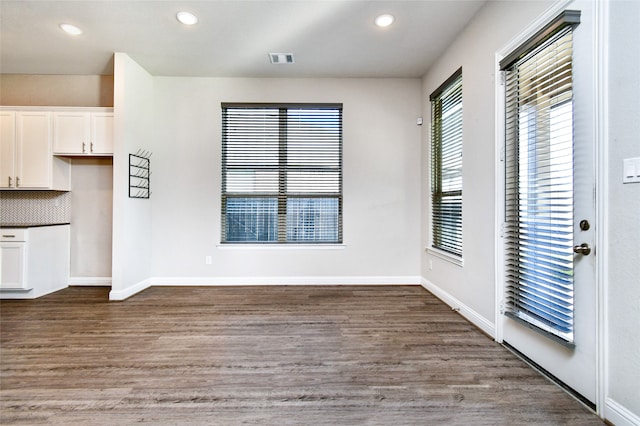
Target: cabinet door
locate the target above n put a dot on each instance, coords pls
(13, 265)
(7, 149)
(71, 132)
(34, 156)
(102, 133)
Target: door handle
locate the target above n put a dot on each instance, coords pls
(582, 249)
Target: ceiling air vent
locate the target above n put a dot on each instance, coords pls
(281, 58)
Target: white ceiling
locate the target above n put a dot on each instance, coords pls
(329, 38)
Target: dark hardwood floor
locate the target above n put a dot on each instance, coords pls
(263, 355)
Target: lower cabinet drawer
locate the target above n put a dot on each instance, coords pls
(13, 234)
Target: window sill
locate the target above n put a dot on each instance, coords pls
(445, 256)
(281, 246)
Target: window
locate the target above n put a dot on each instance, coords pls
(281, 173)
(539, 183)
(446, 166)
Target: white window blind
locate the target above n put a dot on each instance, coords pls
(446, 166)
(281, 173)
(539, 186)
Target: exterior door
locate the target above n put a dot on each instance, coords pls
(549, 308)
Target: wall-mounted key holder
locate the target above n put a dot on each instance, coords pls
(139, 174)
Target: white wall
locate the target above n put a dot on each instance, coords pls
(91, 218)
(134, 129)
(473, 284)
(381, 224)
(56, 90)
(624, 208)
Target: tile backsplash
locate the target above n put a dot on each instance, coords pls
(37, 207)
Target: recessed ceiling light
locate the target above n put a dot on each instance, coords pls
(187, 18)
(384, 20)
(70, 29)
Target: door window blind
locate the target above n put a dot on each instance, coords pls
(539, 187)
(446, 166)
(281, 173)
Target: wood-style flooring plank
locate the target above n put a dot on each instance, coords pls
(277, 355)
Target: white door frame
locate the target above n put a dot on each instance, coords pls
(599, 131)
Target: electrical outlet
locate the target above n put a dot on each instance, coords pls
(207, 260)
(631, 168)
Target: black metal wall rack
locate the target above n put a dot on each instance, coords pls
(139, 174)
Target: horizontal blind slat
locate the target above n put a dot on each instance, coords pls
(446, 167)
(293, 152)
(539, 187)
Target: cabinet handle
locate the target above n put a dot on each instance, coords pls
(83, 147)
(9, 181)
(91, 146)
(17, 181)
(8, 236)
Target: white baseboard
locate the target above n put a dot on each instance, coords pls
(619, 415)
(90, 281)
(255, 281)
(475, 318)
(129, 291)
(17, 294)
(42, 292)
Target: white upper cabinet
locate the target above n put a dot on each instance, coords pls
(102, 133)
(71, 132)
(7, 149)
(83, 132)
(33, 150)
(26, 159)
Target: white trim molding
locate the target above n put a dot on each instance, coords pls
(261, 246)
(129, 291)
(256, 281)
(90, 281)
(475, 318)
(601, 154)
(448, 257)
(499, 197)
(534, 27)
(618, 415)
(301, 281)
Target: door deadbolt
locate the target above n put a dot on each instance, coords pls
(585, 225)
(582, 249)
